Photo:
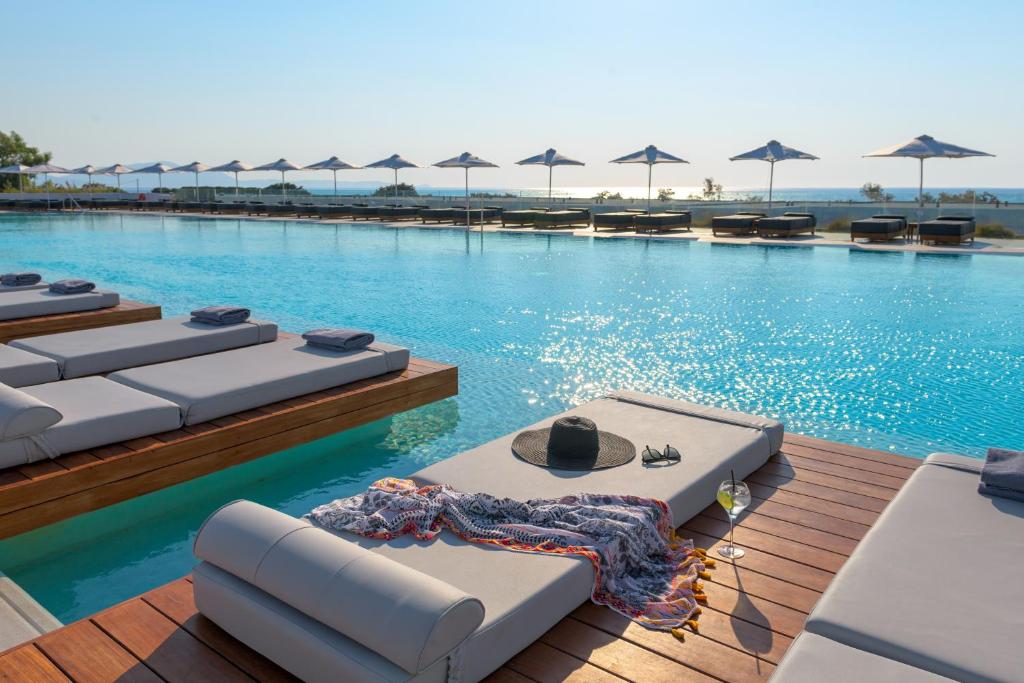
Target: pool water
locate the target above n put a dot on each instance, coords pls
(906, 352)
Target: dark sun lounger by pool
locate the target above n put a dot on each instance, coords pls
(742, 223)
(788, 224)
(565, 218)
(880, 228)
(662, 222)
(615, 220)
(947, 229)
(521, 217)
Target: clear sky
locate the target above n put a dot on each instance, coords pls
(102, 82)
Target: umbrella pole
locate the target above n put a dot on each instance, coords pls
(335, 172)
(550, 169)
(469, 225)
(771, 184)
(396, 187)
(236, 183)
(284, 190)
(920, 196)
(197, 186)
(650, 171)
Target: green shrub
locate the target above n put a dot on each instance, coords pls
(996, 230)
(838, 225)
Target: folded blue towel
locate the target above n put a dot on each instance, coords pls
(20, 279)
(339, 338)
(220, 315)
(1003, 474)
(72, 286)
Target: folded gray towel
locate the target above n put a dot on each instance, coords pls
(1003, 474)
(72, 286)
(220, 315)
(20, 279)
(339, 338)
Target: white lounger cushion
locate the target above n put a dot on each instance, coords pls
(105, 349)
(219, 384)
(96, 412)
(813, 659)
(23, 415)
(936, 583)
(407, 617)
(21, 369)
(35, 302)
(712, 442)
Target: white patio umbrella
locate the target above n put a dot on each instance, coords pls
(926, 147)
(772, 152)
(466, 161)
(87, 170)
(281, 165)
(46, 170)
(159, 169)
(550, 158)
(334, 164)
(650, 155)
(196, 168)
(393, 162)
(115, 170)
(235, 166)
(18, 169)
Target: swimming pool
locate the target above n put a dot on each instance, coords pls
(911, 353)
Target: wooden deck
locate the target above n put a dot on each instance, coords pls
(125, 312)
(812, 504)
(48, 491)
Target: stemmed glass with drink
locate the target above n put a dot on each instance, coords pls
(734, 496)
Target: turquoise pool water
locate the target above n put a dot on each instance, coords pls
(911, 353)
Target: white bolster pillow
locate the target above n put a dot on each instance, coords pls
(406, 616)
(23, 415)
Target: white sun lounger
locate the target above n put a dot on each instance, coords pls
(523, 594)
(219, 384)
(44, 421)
(23, 288)
(106, 349)
(936, 583)
(36, 302)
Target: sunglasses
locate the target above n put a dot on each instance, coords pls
(654, 455)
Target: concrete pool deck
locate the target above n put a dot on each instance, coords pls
(1006, 247)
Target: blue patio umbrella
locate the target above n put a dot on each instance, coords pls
(649, 155)
(466, 161)
(394, 162)
(550, 158)
(773, 152)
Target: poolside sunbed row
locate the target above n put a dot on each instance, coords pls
(641, 221)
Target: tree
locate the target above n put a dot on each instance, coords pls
(404, 190)
(666, 194)
(14, 150)
(712, 190)
(290, 188)
(874, 192)
(607, 194)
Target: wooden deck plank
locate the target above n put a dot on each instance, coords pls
(36, 496)
(795, 541)
(125, 312)
(851, 451)
(171, 652)
(176, 602)
(88, 655)
(27, 664)
(542, 663)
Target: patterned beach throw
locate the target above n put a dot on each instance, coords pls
(642, 570)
